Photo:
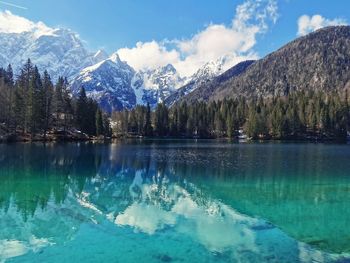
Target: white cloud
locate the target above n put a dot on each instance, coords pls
(308, 24)
(10, 23)
(216, 40)
(148, 55)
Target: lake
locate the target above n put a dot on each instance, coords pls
(175, 201)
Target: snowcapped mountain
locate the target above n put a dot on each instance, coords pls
(100, 55)
(107, 79)
(116, 86)
(206, 73)
(109, 83)
(154, 86)
(60, 51)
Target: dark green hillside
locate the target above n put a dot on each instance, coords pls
(319, 61)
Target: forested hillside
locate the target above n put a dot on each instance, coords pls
(32, 107)
(300, 115)
(319, 61)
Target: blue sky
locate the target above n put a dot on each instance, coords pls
(115, 24)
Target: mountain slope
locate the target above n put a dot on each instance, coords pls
(204, 89)
(60, 51)
(116, 86)
(318, 61)
(203, 75)
(154, 86)
(113, 83)
(109, 83)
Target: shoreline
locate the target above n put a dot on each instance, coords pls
(56, 139)
(72, 139)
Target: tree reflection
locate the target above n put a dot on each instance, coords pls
(295, 187)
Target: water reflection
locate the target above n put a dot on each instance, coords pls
(215, 199)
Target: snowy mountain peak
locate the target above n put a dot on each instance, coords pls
(168, 68)
(100, 55)
(154, 86)
(210, 69)
(164, 76)
(115, 58)
(109, 83)
(115, 85)
(109, 80)
(206, 73)
(58, 50)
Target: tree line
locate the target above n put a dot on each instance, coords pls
(298, 115)
(31, 104)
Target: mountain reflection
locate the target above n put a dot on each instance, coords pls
(49, 192)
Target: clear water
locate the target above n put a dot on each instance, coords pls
(174, 201)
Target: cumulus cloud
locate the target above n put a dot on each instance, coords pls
(308, 24)
(235, 41)
(148, 55)
(10, 23)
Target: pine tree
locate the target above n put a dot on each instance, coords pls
(67, 105)
(230, 127)
(82, 111)
(161, 120)
(107, 131)
(48, 97)
(27, 93)
(99, 123)
(38, 100)
(251, 126)
(34, 102)
(90, 125)
(10, 100)
(148, 125)
(30, 101)
(19, 109)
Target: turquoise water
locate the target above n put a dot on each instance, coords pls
(174, 201)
